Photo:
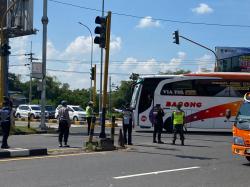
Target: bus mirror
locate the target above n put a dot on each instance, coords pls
(228, 113)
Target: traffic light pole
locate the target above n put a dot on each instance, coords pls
(3, 62)
(216, 57)
(101, 63)
(104, 102)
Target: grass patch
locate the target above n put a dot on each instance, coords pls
(23, 130)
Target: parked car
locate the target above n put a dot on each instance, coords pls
(76, 113)
(50, 111)
(25, 110)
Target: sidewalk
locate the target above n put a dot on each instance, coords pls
(44, 144)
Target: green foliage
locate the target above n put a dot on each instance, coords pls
(177, 72)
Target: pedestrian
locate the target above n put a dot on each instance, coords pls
(64, 124)
(178, 119)
(127, 124)
(158, 114)
(89, 114)
(6, 118)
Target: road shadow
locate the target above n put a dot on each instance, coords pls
(173, 155)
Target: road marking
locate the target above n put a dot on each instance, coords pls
(49, 156)
(155, 172)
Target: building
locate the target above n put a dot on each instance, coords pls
(233, 59)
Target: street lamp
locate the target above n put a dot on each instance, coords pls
(91, 58)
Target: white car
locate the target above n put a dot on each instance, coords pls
(76, 113)
(23, 111)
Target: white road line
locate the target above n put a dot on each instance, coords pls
(156, 172)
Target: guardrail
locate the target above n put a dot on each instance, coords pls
(107, 124)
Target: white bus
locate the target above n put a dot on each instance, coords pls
(204, 96)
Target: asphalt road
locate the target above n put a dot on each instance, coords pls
(205, 160)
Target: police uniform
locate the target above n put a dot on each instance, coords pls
(178, 117)
(158, 123)
(127, 125)
(64, 125)
(5, 124)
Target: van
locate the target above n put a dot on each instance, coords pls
(241, 129)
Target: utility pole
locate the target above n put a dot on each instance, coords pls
(45, 21)
(110, 91)
(31, 64)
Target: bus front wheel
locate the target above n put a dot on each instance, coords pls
(248, 158)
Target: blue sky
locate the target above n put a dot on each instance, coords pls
(138, 44)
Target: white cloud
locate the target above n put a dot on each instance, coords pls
(148, 22)
(202, 9)
(80, 46)
(115, 44)
(205, 63)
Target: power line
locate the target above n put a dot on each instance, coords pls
(154, 19)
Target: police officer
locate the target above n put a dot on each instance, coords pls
(127, 124)
(178, 119)
(64, 124)
(89, 114)
(6, 121)
(158, 114)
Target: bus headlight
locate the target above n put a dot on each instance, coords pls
(238, 140)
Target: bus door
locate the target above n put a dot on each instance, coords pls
(167, 120)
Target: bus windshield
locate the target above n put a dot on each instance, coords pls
(135, 95)
(243, 118)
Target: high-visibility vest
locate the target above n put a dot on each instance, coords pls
(89, 111)
(178, 118)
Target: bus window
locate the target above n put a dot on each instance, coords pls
(179, 88)
(212, 87)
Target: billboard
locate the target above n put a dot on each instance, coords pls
(3, 8)
(228, 52)
(36, 70)
(233, 59)
(19, 18)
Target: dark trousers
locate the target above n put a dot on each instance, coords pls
(89, 123)
(178, 129)
(5, 132)
(63, 131)
(127, 129)
(157, 130)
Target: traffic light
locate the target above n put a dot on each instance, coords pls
(176, 37)
(5, 49)
(101, 31)
(92, 73)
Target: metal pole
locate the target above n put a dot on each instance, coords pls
(43, 95)
(100, 94)
(91, 58)
(4, 38)
(110, 96)
(104, 102)
(216, 57)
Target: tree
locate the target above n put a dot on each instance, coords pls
(177, 72)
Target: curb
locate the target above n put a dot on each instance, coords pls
(20, 152)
